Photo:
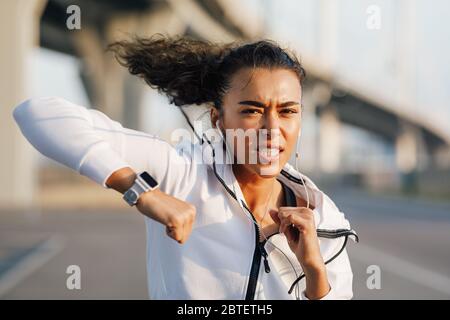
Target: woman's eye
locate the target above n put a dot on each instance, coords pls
(289, 111)
(250, 111)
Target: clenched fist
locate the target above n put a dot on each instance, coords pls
(297, 224)
(178, 216)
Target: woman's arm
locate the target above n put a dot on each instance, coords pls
(89, 142)
(121, 180)
(94, 145)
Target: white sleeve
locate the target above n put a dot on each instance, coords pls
(89, 142)
(340, 277)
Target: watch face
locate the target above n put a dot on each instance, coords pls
(149, 179)
(132, 196)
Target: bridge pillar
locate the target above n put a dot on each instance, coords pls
(105, 76)
(17, 174)
(329, 140)
(410, 156)
(308, 138)
(113, 88)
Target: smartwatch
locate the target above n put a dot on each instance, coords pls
(143, 183)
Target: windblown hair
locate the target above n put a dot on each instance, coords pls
(191, 71)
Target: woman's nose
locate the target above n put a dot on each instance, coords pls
(272, 125)
(271, 122)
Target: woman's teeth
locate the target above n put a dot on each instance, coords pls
(269, 154)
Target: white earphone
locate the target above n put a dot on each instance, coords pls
(227, 147)
(296, 167)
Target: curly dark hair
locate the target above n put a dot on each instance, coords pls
(191, 71)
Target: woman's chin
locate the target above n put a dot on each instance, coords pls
(269, 170)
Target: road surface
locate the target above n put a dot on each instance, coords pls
(408, 240)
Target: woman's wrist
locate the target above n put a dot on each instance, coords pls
(149, 200)
(314, 270)
(317, 285)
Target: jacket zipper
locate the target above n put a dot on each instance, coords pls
(254, 270)
(260, 252)
(264, 254)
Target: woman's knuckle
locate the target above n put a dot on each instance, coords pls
(191, 210)
(176, 220)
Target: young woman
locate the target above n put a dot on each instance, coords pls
(243, 229)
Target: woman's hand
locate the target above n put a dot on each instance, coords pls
(178, 216)
(297, 223)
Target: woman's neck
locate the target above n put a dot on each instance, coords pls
(260, 193)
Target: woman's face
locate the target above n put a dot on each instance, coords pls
(266, 105)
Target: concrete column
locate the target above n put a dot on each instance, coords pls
(19, 27)
(329, 141)
(106, 75)
(130, 90)
(308, 145)
(410, 155)
(411, 149)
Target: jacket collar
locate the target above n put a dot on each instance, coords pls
(327, 216)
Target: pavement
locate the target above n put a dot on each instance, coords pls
(407, 240)
(36, 249)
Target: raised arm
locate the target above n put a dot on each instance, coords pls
(96, 146)
(89, 142)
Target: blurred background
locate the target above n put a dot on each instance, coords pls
(376, 133)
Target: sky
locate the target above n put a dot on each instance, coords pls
(402, 62)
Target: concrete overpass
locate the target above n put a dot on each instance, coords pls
(352, 107)
(111, 88)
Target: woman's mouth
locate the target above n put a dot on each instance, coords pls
(269, 155)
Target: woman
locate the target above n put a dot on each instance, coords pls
(257, 229)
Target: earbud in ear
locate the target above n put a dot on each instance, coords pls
(297, 152)
(219, 130)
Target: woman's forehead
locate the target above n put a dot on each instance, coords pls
(265, 85)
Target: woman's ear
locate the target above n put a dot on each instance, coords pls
(214, 113)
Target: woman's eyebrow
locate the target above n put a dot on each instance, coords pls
(262, 105)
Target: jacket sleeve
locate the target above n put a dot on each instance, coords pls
(89, 142)
(340, 278)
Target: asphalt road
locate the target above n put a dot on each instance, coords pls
(408, 240)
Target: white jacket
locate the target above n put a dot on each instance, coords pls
(222, 258)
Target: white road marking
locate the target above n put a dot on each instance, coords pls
(30, 263)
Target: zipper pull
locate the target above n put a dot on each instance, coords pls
(264, 255)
